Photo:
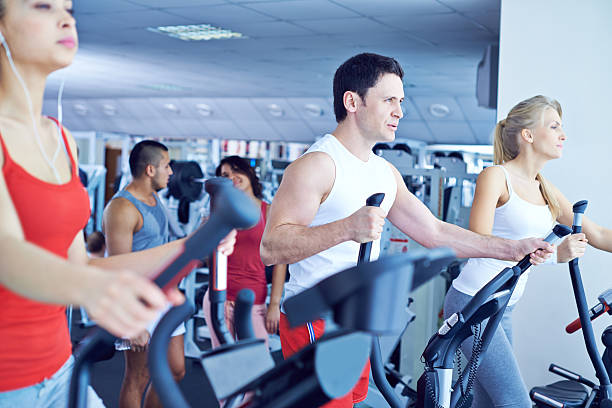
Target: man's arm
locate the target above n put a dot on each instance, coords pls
(413, 218)
(306, 183)
(120, 222)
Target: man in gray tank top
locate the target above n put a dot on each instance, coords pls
(135, 220)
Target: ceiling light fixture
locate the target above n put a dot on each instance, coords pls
(314, 110)
(196, 32)
(276, 110)
(80, 109)
(109, 110)
(172, 108)
(439, 110)
(204, 109)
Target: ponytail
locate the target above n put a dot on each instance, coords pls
(498, 143)
(549, 196)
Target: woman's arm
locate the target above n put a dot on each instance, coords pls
(490, 186)
(598, 236)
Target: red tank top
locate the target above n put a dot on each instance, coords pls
(35, 339)
(244, 266)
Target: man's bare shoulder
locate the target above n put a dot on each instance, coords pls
(313, 167)
(313, 159)
(121, 208)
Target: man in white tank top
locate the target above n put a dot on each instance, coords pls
(318, 217)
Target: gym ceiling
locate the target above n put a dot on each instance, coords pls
(276, 84)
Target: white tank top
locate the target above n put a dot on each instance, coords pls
(355, 181)
(516, 219)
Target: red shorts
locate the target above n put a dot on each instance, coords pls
(292, 340)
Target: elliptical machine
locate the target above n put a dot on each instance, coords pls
(357, 302)
(435, 388)
(236, 210)
(574, 392)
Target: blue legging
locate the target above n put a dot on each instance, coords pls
(498, 379)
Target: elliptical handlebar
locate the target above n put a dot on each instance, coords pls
(559, 231)
(243, 325)
(365, 249)
(376, 363)
(583, 312)
(488, 302)
(605, 300)
(217, 276)
(578, 208)
(237, 211)
(168, 390)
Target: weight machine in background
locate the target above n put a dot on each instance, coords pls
(443, 184)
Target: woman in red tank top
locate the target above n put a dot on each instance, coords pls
(244, 267)
(43, 208)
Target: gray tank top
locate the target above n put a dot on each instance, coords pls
(154, 231)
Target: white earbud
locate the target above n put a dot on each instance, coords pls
(50, 161)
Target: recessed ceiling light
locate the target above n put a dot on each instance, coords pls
(314, 110)
(204, 109)
(439, 110)
(275, 110)
(172, 108)
(109, 110)
(80, 109)
(196, 32)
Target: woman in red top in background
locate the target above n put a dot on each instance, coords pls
(244, 266)
(43, 208)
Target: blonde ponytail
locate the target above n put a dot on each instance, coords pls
(526, 114)
(549, 196)
(499, 153)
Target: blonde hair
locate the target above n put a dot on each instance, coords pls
(527, 114)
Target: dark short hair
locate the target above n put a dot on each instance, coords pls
(240, 165)
(358, 74)
(145, 153)
(95, 242)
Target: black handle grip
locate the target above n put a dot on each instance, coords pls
(213, 186)
(375, 200)
(243, 324)
(558, 232)
(230, 208)
(579, 208)
(365, 249)
(217, 294)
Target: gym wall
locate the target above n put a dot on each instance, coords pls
(562, 49)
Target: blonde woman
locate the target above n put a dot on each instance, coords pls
(513, 200)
